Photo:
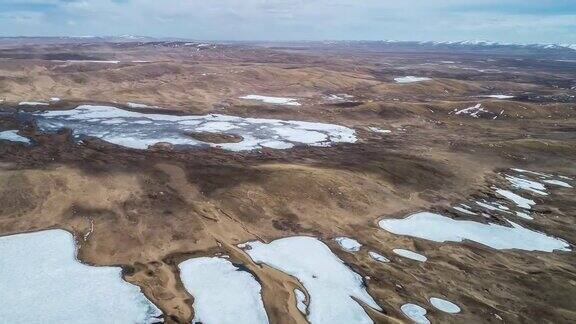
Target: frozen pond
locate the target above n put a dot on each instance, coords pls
(273, 100)
(348, 244)
(439, 228)
(445, 305)
(139, 131)
(329, 282)
(12, 136)
(415, 313)
(378, 257)
(42, 282)
(222, 292)
(410, 79)
(410, 255)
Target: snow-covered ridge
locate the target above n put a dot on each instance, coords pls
(497, 44)
(468, 43)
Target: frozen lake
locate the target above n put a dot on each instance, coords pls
(139, 130)
(42, 282)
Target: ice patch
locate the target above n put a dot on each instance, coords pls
(463, 210)
(415, 313)
(139, 130)
(517, 199)
(444, 305)
(410, 79)
(499, 96)
(532, 173)
(524, 215)
(329, 282)
(348, 244)
(378, 257)
(379, 130)
(558, 183)
(92, 61)
(439, 228)
(493, 206)
(525, 184)
(138, 105)
(338, 97)
(410, 255)
(12, 136)
(42, 282)
(273, 100)
(222, 292)
(472, 111)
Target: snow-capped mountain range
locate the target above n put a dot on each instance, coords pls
(439, 44)
(478, 43)
(484, 43)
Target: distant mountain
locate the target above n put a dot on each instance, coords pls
(553, 51)
(496, 44)
(459, 46)
(83, 39)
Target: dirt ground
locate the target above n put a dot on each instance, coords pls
(151, 209)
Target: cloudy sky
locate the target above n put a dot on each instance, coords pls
(514, 21)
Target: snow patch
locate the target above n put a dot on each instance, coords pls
(464, 210)
(410, 79)
(379, 130)
(273, 100)
(499, 96)
(526, 184)
(33, 103)
(301, 301)
(517, 199)
(138, 105)
(558, 183)
(474, 111)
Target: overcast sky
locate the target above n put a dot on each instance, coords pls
(514, 21)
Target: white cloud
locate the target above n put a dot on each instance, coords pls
(310, 19)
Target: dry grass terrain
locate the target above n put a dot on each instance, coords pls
(152, 209)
